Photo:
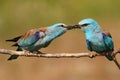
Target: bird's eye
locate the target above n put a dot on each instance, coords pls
(84, 25)
(62, 25)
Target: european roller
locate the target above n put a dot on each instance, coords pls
(35, 39)
(96, 39)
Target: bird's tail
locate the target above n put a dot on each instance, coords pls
(12, 57)
(109, 57)
(14, 39)
(112, 58)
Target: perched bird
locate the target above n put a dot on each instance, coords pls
(35, 39)
(96, 39)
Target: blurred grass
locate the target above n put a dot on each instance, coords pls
(18, 16)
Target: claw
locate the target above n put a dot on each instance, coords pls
(27, 52)
(92, 55)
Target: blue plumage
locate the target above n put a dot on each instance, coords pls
(97, 40)
(35, 39)
(30, 40)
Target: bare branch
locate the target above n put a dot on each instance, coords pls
(51, 55)
(59, 55)
(47, 55)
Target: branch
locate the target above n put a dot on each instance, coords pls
(46, 55)
(57, 55)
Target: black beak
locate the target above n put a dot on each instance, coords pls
(76, 26)
(70, 27)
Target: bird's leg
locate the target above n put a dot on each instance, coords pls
(26, 52)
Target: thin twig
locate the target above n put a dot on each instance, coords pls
(50, 55)
(47, 55)
(59, 55)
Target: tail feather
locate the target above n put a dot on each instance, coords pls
(15, 39)
(112, 58)
(109, 57)
(12, 57)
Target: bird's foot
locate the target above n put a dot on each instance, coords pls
(27, 52)
(92, 55)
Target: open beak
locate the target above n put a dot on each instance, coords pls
(72, 27)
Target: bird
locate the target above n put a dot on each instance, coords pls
(38, 38)
(96, 39)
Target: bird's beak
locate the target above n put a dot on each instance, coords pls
(71, 27)
(77, 26)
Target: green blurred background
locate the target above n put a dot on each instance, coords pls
(18, 16)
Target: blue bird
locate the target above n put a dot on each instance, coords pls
(35, 39)
(97, 40)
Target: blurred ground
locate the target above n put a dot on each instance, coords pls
(18, 16)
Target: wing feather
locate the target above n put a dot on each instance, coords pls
(88, 43)
(31, 37)
(108, 40)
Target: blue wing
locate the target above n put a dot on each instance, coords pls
(108, 41)
(88, 43)
(109, 45)
(30, 40)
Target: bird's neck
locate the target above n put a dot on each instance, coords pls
(92, 30)
(91, 34)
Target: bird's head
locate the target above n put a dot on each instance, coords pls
(87, 25)
(57, 29)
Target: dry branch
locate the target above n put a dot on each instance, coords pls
(51, 55)
(47, 55)
(58, 55)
